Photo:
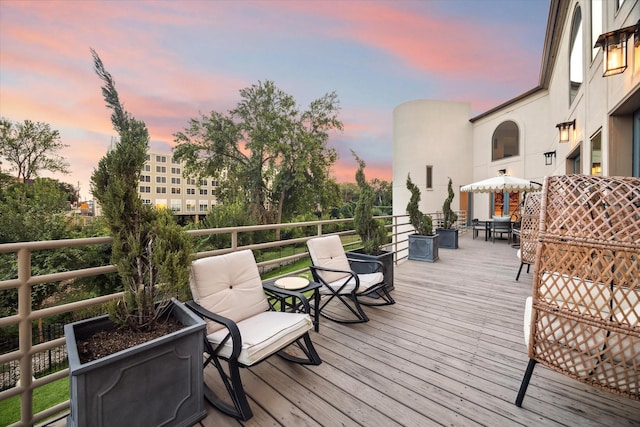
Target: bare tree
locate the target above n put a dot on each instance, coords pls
(30, 148)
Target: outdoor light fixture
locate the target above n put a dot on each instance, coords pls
(564, 129)
(614, 49)
(596, 169)
(548, 157)
(502, 171)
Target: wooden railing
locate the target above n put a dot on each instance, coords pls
(25, 314)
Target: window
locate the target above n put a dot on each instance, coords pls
(145, 189)
(429, 177)
(574, 160)
(191, 205)
(147, 168)
(145, 178)
(146, 201)
(175, 180)
(161, 159)
(575, 56)
(203, 182)
(506, 141)
(161, 179)
(191, 181)
(161, 190)
(596, 155)
(596, 25)
(191, 191)
(203, 207)
(175, 190)
(214, 183)
(176, 205)
(175, 171)
(148, 157)
(174, 161)
(161, 169)
(203, 191)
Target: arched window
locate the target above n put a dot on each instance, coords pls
(575, 55)
(505, 141)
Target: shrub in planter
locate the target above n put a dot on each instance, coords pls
(423, 245)
(448, 234)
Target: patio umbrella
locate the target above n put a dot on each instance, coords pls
(501, 183)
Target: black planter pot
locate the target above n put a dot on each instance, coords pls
(159, 382)
(386, 258)
(423, 248)
(448, 238)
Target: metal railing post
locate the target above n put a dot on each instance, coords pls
(25, 334)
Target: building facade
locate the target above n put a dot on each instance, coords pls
(163, 186)
(579, 119)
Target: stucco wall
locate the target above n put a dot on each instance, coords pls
(436, 133)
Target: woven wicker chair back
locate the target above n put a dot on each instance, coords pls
(586, 288)
(529, 226)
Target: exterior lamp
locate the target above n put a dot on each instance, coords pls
(614, 49)
(596, 169)
(548, 157)
(564, 129)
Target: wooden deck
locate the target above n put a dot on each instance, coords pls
(449, 352)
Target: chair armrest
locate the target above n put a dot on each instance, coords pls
(230, 325)
(281, 294)
(355, 262)
(314, 270)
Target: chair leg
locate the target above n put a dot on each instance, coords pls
(525, 382)
(233, 383)
(351, 302)
(520, 270)
(305, 344)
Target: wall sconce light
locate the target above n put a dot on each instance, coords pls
(596, 169)
(502, 171)
(548, 157)
(614, 49)
(564, 129)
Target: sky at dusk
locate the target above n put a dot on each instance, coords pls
(175, 60)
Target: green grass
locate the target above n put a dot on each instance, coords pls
(43, 397)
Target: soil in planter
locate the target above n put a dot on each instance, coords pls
(104, 343)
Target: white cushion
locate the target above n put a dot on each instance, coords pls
(228, 285)
(328, 252)
(528, 311)
(264, 334)
(519, 255)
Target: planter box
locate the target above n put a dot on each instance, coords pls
(386, 258)
(159, 382)
(448, 238)
(423, 248)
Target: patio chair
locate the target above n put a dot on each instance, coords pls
(334, 271)
(501, 225)
(583, 317)
(478, 226)
(241, 329)
(529, 225)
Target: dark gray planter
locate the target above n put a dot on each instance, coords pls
(156, 383)
(448, 238)
(423, 248)
(386, 258)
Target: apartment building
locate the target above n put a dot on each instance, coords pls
(163, 186)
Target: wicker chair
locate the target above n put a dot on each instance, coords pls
(583, 317)
(529, 225)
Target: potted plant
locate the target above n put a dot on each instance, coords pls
(448, 234)
(372, 232)
(160, 381)
(423, 244)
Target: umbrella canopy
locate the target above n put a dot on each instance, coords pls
(501, 183)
